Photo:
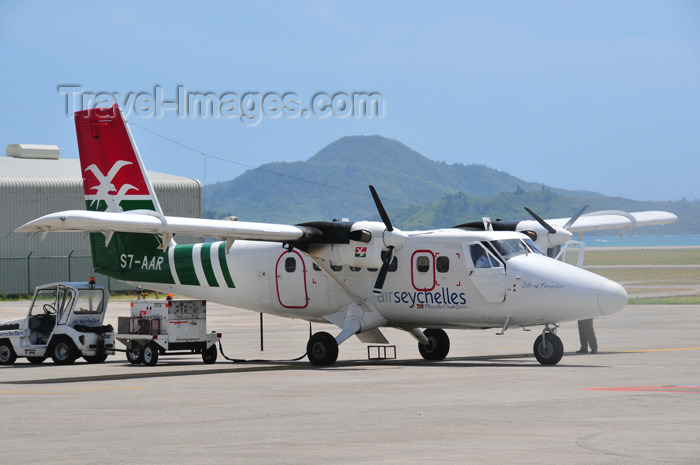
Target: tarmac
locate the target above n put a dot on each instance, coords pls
(635, 402)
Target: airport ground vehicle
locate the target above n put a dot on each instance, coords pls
(64, 322)
(157, 327)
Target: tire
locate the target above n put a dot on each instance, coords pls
(150, 354)
(36, 360)
(209, 355)
(99, 358)
(322, 349)
(438, 346)
(63, 351)
(7, 353)
(549, 353)
(134, 354)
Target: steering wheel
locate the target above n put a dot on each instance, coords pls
(48, 309)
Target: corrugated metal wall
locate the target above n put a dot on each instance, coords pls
(26, 262)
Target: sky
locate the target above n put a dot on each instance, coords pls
(596, 95)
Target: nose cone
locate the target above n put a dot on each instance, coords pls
(611, 297)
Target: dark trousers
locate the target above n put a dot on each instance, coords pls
(587, 335)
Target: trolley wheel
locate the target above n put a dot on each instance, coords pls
(150, 354)
(134, 354)
(209, 355)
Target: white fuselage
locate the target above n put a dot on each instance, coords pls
(436, 283)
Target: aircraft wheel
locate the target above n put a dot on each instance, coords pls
(134, 354)
(549, 351)
(7, 353)
(150, 354)
(36, 360)
(438, 345)
(322, 349)
(63, 351)
(209, 355)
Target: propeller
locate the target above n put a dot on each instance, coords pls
(544, 224)
(573, 219)
(392, 238)
(558, 235)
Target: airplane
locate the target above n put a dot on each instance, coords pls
(360, 276)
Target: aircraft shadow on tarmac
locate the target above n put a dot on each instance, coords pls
(253, 366)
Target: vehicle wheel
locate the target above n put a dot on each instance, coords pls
(209, 355)
(438, 345)
(7, 353)
(150, 354)
(322, 349)
(134, 354)
(63, 351)
(99, 358)
(548, 351)
(36, 360)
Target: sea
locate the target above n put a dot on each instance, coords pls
(642, 241)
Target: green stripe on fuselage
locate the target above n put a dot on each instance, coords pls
(184, 265)
(206, 265)
(224, 266)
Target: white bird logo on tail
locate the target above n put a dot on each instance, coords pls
(105, 186)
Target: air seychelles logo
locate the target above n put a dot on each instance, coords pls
(442, 299)
(360, 252)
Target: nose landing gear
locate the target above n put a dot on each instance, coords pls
(548, 348)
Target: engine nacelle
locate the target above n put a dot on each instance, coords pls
(364, 249)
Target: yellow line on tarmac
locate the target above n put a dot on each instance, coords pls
(659, 350)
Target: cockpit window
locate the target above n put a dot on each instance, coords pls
(531, 244)
(509, 248)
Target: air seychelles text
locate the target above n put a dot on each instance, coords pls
(439, 299)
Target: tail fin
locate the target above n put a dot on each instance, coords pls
(114, 178)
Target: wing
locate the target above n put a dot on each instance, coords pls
(615, 219)
(151, 223)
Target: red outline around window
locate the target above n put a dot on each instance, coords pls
(413, 267)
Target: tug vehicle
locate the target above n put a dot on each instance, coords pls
(64, 322)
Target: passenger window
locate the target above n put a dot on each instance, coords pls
(316, 267)
(355, 268)
(336, 267)
(442, 264)
(422, 264)
(290, 265)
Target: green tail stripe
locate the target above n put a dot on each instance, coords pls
(206, 265)
(224, 266)
(126, 205)
(184, 265)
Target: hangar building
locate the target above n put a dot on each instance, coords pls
(35, 181)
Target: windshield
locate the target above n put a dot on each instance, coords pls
(89, 301)
(509, 248)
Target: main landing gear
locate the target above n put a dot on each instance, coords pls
(322, 349)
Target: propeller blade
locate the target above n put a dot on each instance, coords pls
(544, 224)
(573, 219)
(379, 283)
(380, 208)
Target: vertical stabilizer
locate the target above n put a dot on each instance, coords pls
(114, 178)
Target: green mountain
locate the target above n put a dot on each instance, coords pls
(333, 183)
(419, 193)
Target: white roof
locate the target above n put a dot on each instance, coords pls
(58, 169)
